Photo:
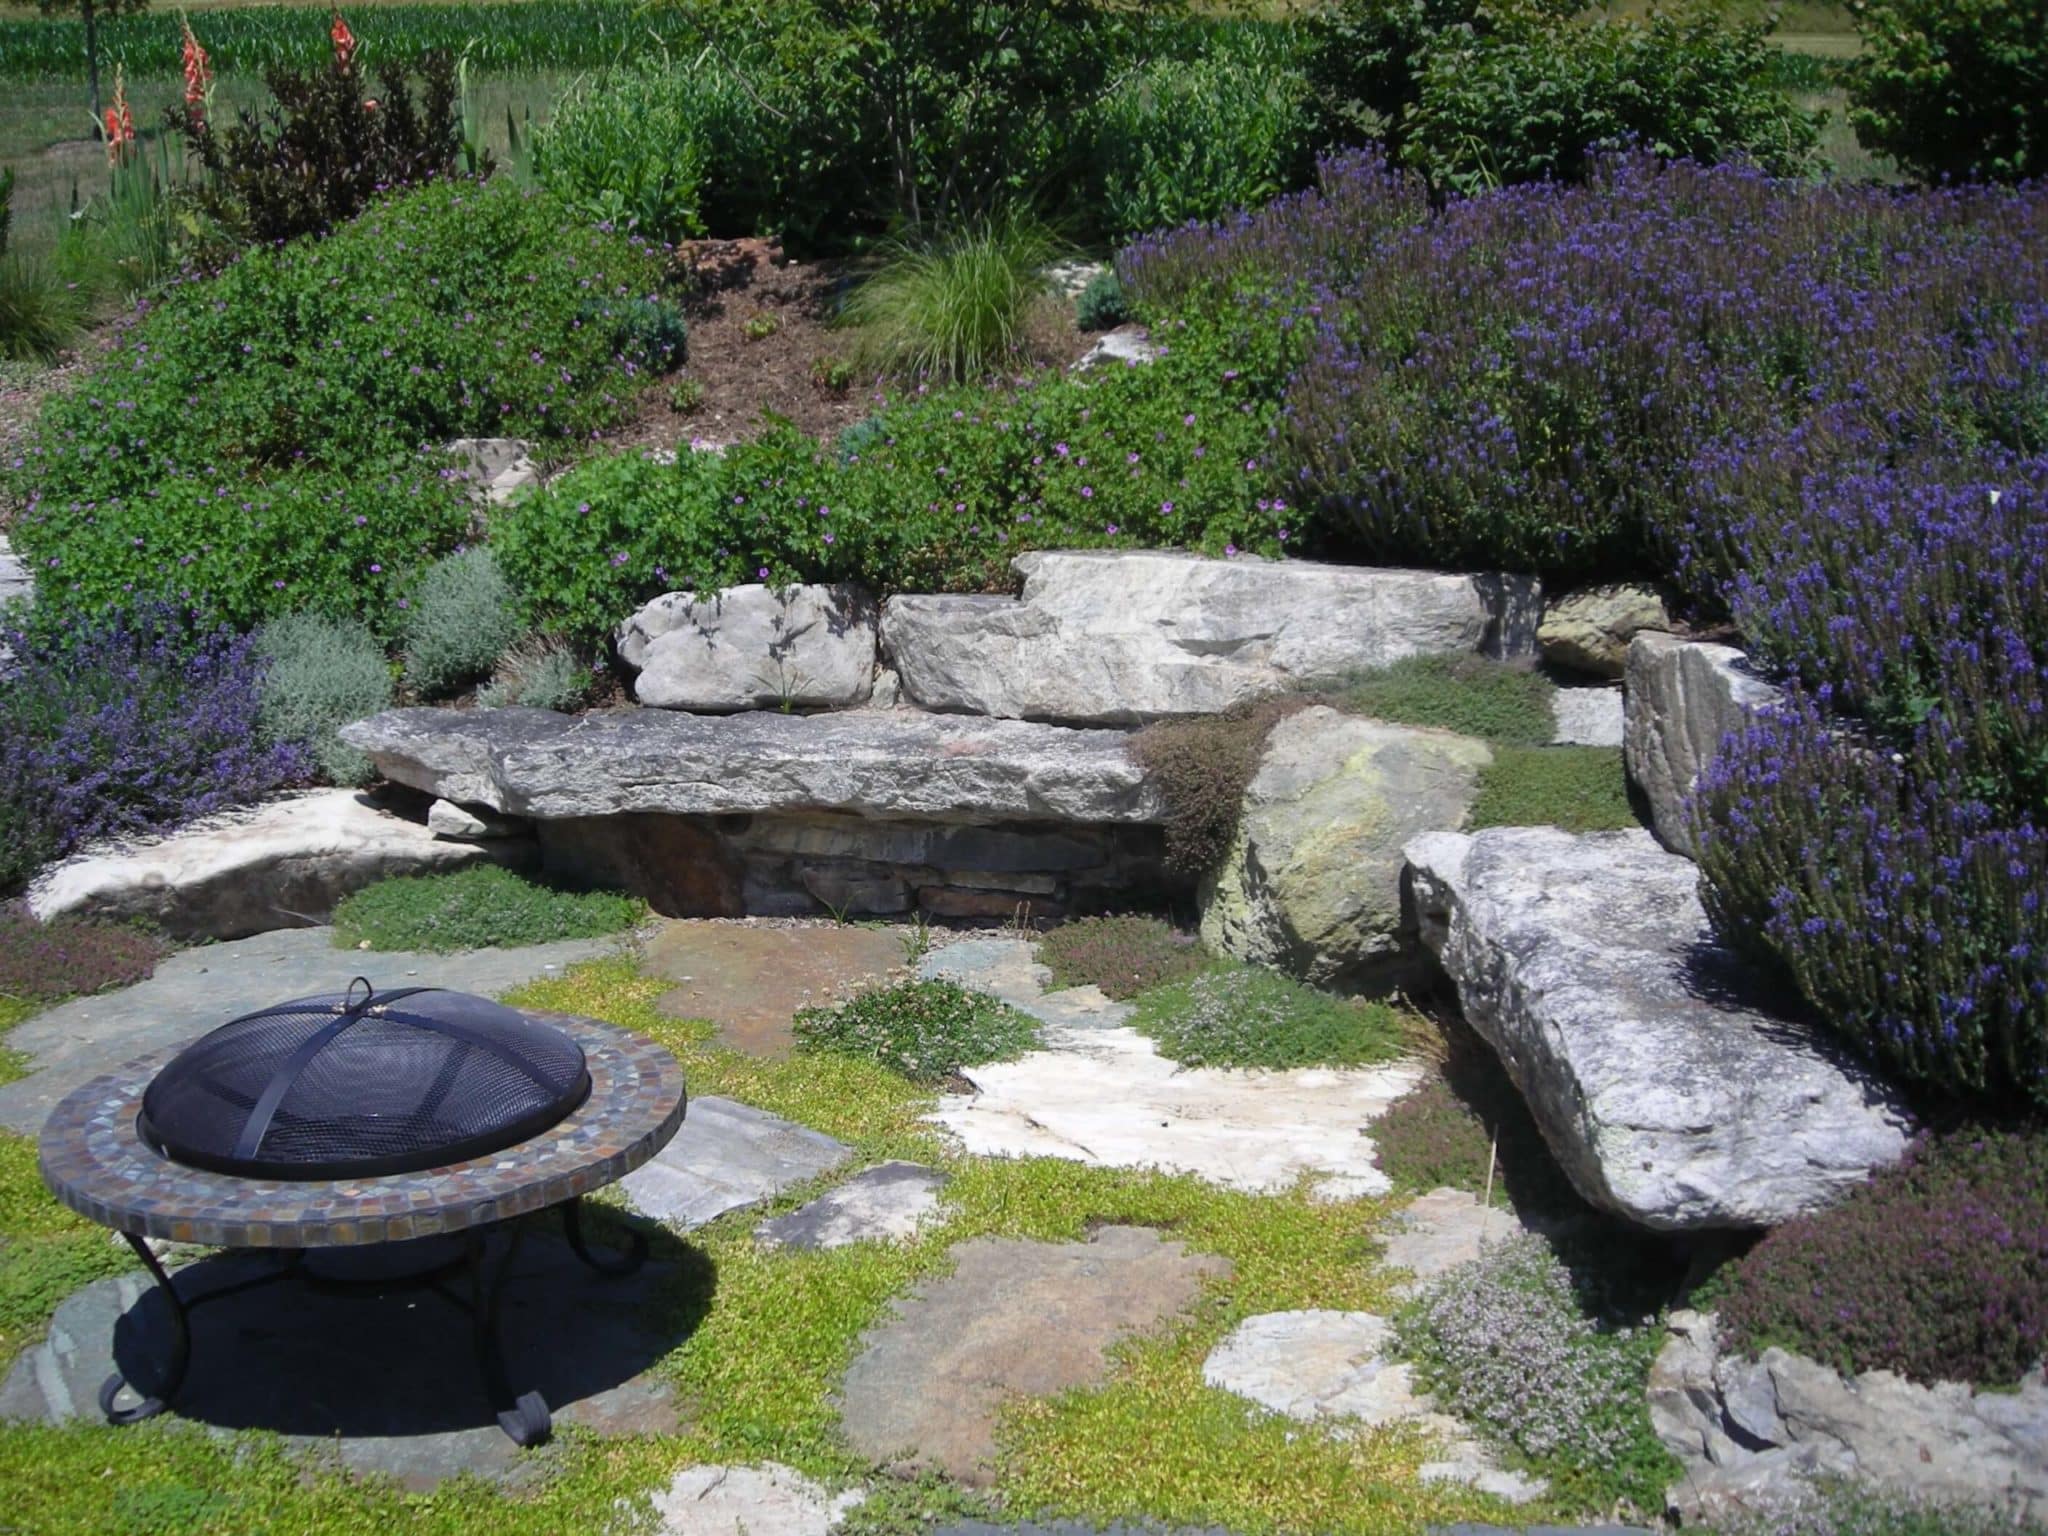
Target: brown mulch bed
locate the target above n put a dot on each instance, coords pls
(760, 337)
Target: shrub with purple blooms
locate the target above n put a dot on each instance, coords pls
(264, 441)
(1504, 1342)
(1936, 1269)
(127, 724)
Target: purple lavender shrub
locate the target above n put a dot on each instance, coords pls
(129, 724)
(1936, 1269)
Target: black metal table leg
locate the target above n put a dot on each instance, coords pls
(572, 1228)
(153, 1403)
(527, 1421)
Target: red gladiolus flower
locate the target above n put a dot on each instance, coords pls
(120, 121)
(198, 72)
(344, 44)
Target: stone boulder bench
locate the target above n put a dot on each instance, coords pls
(766, 813)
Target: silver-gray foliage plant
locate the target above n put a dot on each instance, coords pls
(320, 673)
(458, 622)
(537, 674)
(1502, 1343)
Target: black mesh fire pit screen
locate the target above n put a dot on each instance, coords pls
(360, 1084)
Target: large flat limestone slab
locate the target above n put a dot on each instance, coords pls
(1122, 637)
(199, 989)
(728, 1156)
(536, 763)
(1100, 1093)
(282, 864)
(1668, 1089)
(1013, 1317)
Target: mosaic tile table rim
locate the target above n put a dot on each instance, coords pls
(94, 1162)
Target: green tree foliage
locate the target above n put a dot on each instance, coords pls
(1953, 87)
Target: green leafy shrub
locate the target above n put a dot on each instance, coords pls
(1936, 1269)
(483, 907)
(252, 446)
(1237, 1015)
(1581, 789)
(537, 673)
(329, 145)
(460, 619)
(935, 493)
(319, 674)
(1102, 305)
(1525, 102)
(672, 149)
(927, 1030)
(1953, 88)
(954, 309)
(1179, 139)
(69, 957)
(1122, 955)
(1493, 700)
(1505, 1342)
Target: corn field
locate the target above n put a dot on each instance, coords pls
(506, 36)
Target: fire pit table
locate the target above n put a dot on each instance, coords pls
(365, 1119)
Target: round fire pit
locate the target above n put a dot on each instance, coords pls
(368, 1118)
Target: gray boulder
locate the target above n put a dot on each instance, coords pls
(1312, 883)
(1680, 698)
(281, 864)
(535, 763)
(1670, 1094)
(1127, 346)
(15, 581)
(753, 647)
(1589, 630)
(497, 468)
(1752, 1434)
(1125, 637)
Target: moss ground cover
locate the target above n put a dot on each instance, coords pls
(1492, 700)
(1237, 1015)
(1581, 789)
(481, 907)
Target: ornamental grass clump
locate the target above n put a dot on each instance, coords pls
(1238, 1015)
(926, 1030)
(1505, 1343)
(132, 723)
(956, 309)
(1936, 1269)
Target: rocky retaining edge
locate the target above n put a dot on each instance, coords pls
(1670, 1092)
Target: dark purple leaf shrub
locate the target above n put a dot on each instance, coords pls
(67, 957)
(127, 724)
(1936, 1269)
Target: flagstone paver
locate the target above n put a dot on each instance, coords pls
(1099, 1092)
(1012, 1317)
(728, 1156)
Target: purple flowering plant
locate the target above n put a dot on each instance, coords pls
(130, 723)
